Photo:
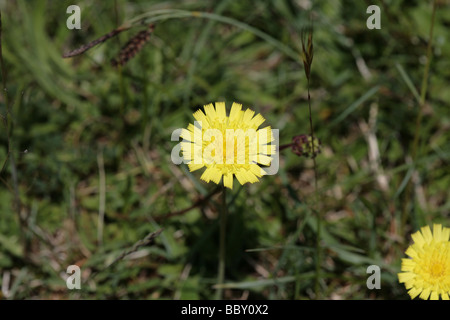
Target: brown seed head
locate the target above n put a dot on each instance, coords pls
(307, 49)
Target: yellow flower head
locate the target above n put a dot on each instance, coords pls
(428, 272)
(228, 145)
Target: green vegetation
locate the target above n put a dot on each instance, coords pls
(85, 147)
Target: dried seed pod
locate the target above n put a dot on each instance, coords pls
(303, 145)
(133, 46)
(307, 50)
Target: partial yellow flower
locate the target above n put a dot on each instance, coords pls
(228, 146)
(427, 273)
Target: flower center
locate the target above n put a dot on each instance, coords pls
(437, 263)
(436, 269)
(230, 151)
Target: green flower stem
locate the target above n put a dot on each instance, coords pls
(409, 198)
(165, 14)
(307, 58)
(319, 216)
(222, 243)
(7, 121)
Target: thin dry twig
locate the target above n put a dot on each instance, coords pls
(102, 197)
(92, 44)
(141, 243)
(197, 203)
(369, 132)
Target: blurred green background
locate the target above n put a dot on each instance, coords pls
(85, 148)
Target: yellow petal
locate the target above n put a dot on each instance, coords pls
(210, 111)
(418, 238)
(211, 173)
(405, 276)
(264, 160)
(445, 234)
(265, 135)
(426, 232)
(201, 119)
(240, 176)
(235, 112)
(248, 114)
(257, 170)
(228, 180)
(257, 121)
(186, 134)
(220, 110)
(425, 294)
(193, 166)
(437, 232)
(434, 296)
(414, 292)
(408, 264)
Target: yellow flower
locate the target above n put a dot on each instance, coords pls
(428, 272)
(228, 145)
